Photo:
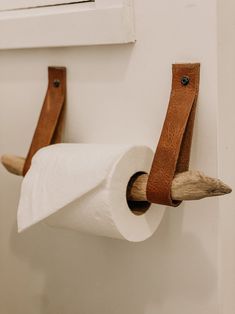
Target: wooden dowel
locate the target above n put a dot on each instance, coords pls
(189, 185)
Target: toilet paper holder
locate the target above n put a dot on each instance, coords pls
(169, 181)
(50, 123)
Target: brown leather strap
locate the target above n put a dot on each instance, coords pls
(48, 130)
(173, 150)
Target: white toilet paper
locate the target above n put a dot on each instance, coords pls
(83, 187)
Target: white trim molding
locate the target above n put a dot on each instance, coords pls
(70, 24)
(25, 4)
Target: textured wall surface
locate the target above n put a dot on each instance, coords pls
(116, 94)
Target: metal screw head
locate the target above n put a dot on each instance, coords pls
(185, 80)
(56, 83)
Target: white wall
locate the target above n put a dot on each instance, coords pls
(116, 94)
(226, 84)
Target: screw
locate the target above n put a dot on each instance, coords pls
(56, 83)
(185, 80)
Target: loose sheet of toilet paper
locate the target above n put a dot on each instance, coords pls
(83, 187)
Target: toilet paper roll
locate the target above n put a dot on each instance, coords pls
(83, 187)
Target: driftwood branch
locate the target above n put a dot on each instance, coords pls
(189, 185)
(13, 164)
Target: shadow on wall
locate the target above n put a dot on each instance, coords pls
(94, 70)
(89, 275)
(96, 78)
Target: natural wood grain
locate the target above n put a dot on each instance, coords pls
(14, 164)
(189, 185)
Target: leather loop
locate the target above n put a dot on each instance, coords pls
(173, 150)
(49, 127)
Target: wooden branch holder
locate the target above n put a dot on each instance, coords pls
(169, 181)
